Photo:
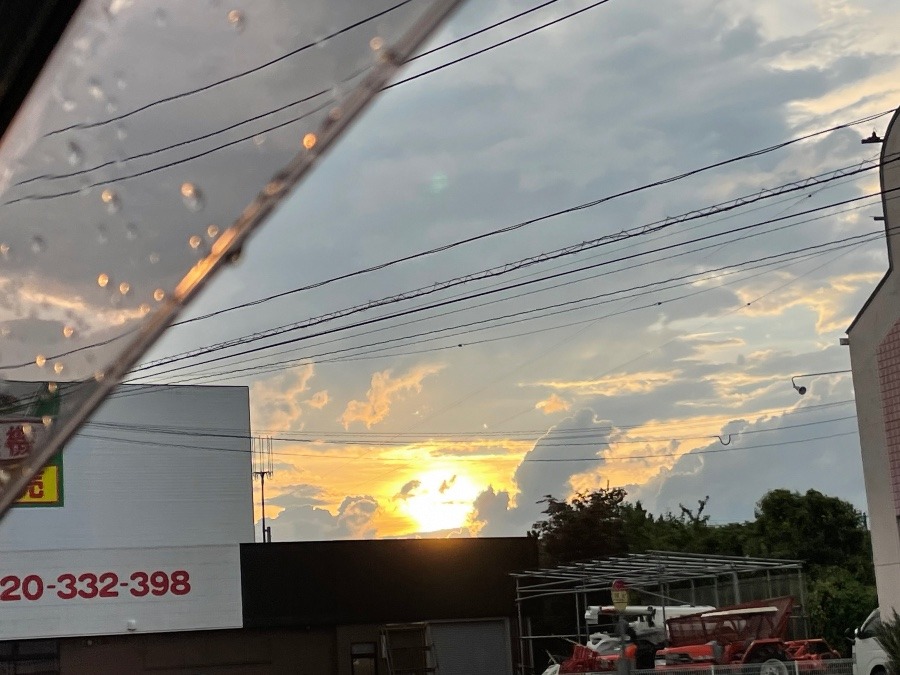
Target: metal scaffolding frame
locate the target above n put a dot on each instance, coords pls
(650, 573)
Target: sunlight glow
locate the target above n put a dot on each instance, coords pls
(442, 500)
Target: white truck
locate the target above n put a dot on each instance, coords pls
(868, 656)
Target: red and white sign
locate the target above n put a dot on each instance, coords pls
(109, 591)
(619, 595)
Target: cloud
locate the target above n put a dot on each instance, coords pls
(383, 390)
(553, 404)
(303, 522)
(447, 484)
(641, 382)
(277, 402)
(576, 437)
(407, 490)
(318, 400)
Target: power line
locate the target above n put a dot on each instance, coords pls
(231, 78)
(428, 290)
(50, 177)
(725, 206)
(686, 280)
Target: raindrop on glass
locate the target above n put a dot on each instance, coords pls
(212, 231)
(376, 43)
(46, 420)
(121, 82)
(195, 242)
(131, 231)
(102, 234)
(153, 258)
(51, 387)
(193, 198)
(121, 132)
(38, 245)
(102, 280)
(58, 367)
(74, 154)
(111, 199)
(68, 331)
(159, 294)
(4, 250)
(99, 376)
(112, 105)
(124, 287)
(236, 19)
(309, 141)
(40, 360)
(259, 139)
(95, 89)
(144, 309)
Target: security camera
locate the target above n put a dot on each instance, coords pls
(800, 389)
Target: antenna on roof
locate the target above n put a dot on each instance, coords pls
(263, 468)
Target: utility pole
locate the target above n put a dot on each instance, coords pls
(263, 468)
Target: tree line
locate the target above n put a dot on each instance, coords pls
(827, 533)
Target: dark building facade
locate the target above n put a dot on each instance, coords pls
(344, 608)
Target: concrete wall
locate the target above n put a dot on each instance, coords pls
(875, 357)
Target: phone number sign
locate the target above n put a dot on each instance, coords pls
(108, 591)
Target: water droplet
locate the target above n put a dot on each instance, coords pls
(159, 294)
(28, 430)
(58, 367)
(236, 19)
(376, 43)
(124, 287)
(212, 231)
(99, 376)
(47, 420)
(111, 199)
(273, 187)
(121, 82)
(74, 154)
(193, 198)
(144, 309)
(194, 241)
(102, 280)
(68, 105)
(68, 331)
(102, 234)
(161, 17)
(112, 105)
(95, 89)
(52, 387)
(259, 139)
(335, 114)
(38, 245)
(309, 141)
(131, 231)
(121, 132)
(4, 250)
(40, 360)
(153, 258)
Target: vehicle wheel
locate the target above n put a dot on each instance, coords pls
(773, 667)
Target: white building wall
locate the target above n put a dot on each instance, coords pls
(157, 498)
(128, 480)
(875, 357)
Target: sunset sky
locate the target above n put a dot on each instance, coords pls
(660, 362)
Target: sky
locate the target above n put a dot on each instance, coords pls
(658, 359)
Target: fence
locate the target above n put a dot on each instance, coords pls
(773, 667)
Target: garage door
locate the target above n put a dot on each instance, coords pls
(472, 647)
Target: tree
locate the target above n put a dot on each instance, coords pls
(590, 526)
(888, 635)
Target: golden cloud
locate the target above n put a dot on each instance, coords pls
(383, 390)
(827, 301)
(318, 400)
(277, 402)
(553, 404)
(613, 385)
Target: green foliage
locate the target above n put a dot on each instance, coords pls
(589, 526)
(838, 599)
(827, 533)
(888, 635)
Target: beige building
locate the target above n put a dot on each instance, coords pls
(875, 357)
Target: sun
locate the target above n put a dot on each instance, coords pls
(441, 501)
